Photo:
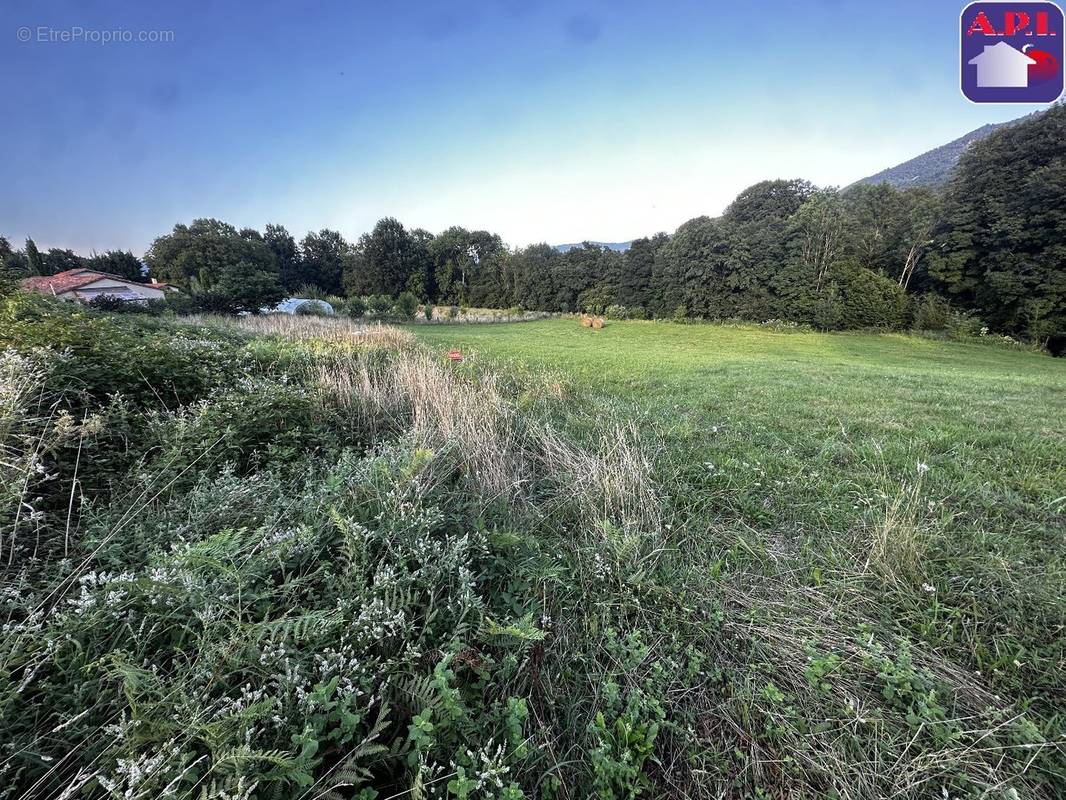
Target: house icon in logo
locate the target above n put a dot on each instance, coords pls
(1000, 66)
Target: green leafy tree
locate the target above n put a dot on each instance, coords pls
(466, 266)
(8, 275)
(13, 264)
(579, 270)
(890, 230)
(421, 280)
(325, 256)
(724, 268)
(697, 252)
(34, 263)
(875, 218)
(778, 199)
(668, 270)
(529, 277)
(287, 255)
(1001, 245)
(241, 288)
(814, 243)
(198, 254)
(56, 260)
(923, 214)
(384, 260)
(117, 262)
(634, 287)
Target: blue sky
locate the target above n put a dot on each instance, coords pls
(541, 121)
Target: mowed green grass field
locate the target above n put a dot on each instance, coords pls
(937, 468)
(810, 442)
(831, 415)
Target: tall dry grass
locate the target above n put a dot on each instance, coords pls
(332, 329)
(612, 482)
(466, 424)
(474, 430)
(442, 315)
(24, 427)
(898, 540)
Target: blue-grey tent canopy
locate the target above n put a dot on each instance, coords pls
(291, 304)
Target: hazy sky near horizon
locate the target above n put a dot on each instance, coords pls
(540, 121)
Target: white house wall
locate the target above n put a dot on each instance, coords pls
(125, 291)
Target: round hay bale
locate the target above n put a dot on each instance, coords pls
(586, 321)
(598, 323)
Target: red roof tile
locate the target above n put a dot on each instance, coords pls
(74, 279)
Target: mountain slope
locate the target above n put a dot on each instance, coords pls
(619, 246)
(934, 167)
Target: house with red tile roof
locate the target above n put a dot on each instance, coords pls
(82, 285)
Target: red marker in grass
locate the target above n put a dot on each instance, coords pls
(455, 355)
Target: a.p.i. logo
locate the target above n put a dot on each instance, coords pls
(1012, 52)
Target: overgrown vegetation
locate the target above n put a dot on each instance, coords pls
(299, 558)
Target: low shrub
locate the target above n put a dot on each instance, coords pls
(354, 307)
(869, 299)
(406, 305)
(963, 326)
(932, 313)
(379, 303)
(115, 305)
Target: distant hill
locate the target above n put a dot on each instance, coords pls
(934, 167)
(619, 246)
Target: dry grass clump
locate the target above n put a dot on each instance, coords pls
(613, 482)
(471, 427)
(466, 424)
(24, 427)
(899, 539)
(332, 329)
(897, 542)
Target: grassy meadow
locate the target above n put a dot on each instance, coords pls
(305, 558)
(805, 430)
(932, 473)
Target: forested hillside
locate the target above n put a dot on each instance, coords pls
(933, 167)
(620, 246)
(990, 247)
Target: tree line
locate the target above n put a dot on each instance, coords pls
(992, 245)
(31, 262)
